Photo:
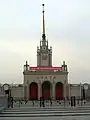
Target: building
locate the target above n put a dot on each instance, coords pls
(44, 80)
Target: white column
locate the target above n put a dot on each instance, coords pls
(69, 91)
(39, 91)
(53, 90)
(64, 89)
(28, 92)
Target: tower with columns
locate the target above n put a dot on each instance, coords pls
(44, 53)
(44, 80)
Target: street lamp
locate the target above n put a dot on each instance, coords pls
(6, 90)
(85, 88)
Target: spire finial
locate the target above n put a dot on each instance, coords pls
(43, 22)
(63, 62)
(26, 63)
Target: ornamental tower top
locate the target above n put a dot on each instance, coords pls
(44, 54)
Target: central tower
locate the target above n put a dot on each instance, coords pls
(44, 53)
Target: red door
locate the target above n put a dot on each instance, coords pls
(46, 94)
(33, 91)
(59, 91)
(46, 87)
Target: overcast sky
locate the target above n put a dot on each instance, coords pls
(67, 30)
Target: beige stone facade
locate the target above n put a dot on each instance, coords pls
(76, 90)
(39, 77)
(17, 92)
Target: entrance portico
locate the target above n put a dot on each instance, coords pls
(47, 86)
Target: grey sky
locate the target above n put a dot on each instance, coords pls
(67, 29)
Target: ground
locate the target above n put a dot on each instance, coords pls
(49, 118)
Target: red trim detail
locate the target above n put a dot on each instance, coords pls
(45, 68)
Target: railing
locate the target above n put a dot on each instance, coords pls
(51, 103)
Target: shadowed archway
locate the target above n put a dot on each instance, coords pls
(33, 91)
(46, 90)
(59, 91)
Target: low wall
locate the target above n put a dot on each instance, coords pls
(3, 103)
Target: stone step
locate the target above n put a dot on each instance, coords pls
(45, 112)
(44, 115)
(1, 109)
(48, 109)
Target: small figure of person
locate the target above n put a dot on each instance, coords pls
(11, 100)
(43, 102)
(50, 101)
(33, 102)
(40, 101)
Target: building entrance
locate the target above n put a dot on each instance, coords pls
(33, 93)
(59, 91)
(46, 90)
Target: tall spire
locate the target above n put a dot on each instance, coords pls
(43, 35)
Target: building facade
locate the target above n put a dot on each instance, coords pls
(44, 80)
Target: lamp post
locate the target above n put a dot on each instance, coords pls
(6, 90)
(85, 88)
